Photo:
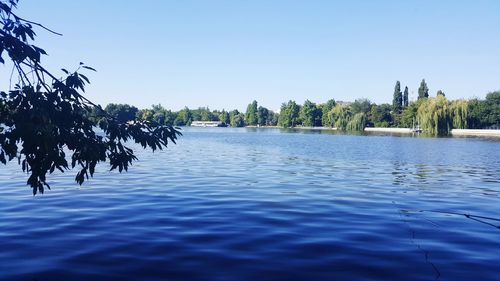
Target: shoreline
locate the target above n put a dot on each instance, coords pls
(454, 132)
(476, 132)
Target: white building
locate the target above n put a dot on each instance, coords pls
(206, 124)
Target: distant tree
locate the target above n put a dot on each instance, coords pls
(409, 114)
(423, 90)
(491, 110)
(341, 115)
(273, 119)
(309, 114)
(45, 117)
(122, 112)
(325, 110)
(484, 113)
(184, 117)
(157, 114)
(405, 97)
(380, 115)
(262, 116)
(397, 100)
(459, 110)
(440, 93)
(233, 113)
(169, 118)
(224, 117)
(434, 116)
(204, 114)
(476, 111)
(251, 114)
(293, 113)
(289, 114)
(357, 122)
(238, 120)
(145, 115)
(361, 106)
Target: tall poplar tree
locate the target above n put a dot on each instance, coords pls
(423, 90)
(405, 97)
(397, 101)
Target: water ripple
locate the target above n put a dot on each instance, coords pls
(237, 204)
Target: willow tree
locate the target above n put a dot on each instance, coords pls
(357, 122)
(341, 115)
(44, 117)
(460, 113)
(434, 116)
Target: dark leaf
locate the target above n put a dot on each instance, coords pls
(90, 68)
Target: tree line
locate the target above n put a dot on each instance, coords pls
(435, 115)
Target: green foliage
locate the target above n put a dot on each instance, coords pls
(44, 117)
(492, 109)
(357, 122)
(440, 93)
(341, 115)
(251, 114)
(405, 97)
(237, 120)
(476, 111)
(273, 118)
(184, 117)
(459, 110)
(264, 116)
(204, 114)
(310, 114)
(121, 112)
(145, 115)
(397, 100)
(159, 115)
(409, 114)
(224, 117)
(361, 106)
(434, 116)
(380, 115)
(289, 114)
(484, 113)
(423, 90)
(325, 110)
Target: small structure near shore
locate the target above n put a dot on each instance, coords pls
(207, 124)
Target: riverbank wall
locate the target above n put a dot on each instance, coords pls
(472, 133)
(454, 132)
(390, 130)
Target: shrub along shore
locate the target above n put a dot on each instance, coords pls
(435, 116)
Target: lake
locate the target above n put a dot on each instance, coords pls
(265, 204)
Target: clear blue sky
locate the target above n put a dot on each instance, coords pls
(224, 54)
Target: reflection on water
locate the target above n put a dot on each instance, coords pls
(261, 204)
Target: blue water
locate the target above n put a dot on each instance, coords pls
(264, 204)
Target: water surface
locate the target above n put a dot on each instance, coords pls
(265, 204)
